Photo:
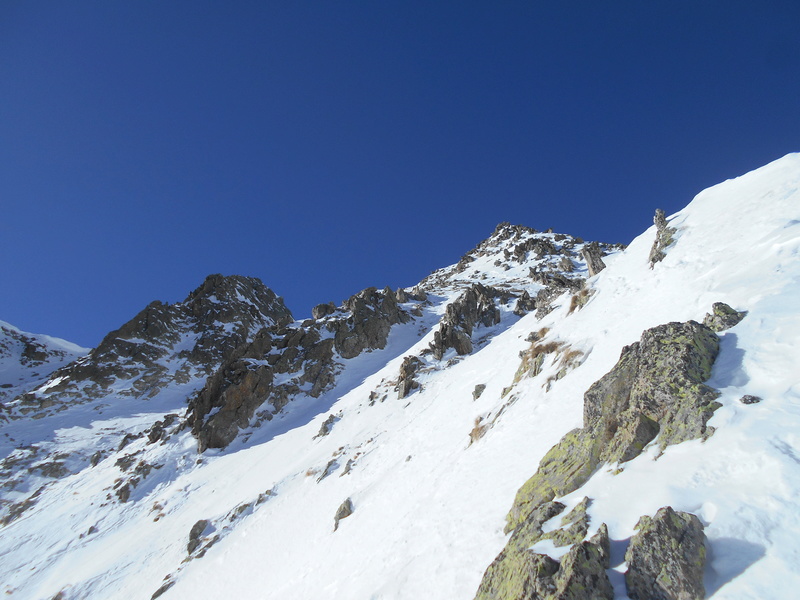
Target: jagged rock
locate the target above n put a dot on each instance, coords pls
(169, 342)
(656, 388)
(345, 510)
(574, 526)
(474, 306)
(372, 314)
(582, 574)
(400, 295)
(525, 304)
(666, 557)
(664, 238)
(406, 383)
(518, 573)
(323, 310)
(478, 391)
(748, 399)
(418, 294)
(722, 317)
(592, 255)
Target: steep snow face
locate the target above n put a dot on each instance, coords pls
(431, 476)
(28, 359)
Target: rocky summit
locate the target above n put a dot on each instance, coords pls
(547, 418)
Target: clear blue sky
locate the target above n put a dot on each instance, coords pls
(329, 146)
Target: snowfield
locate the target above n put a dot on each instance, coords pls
(429, 503)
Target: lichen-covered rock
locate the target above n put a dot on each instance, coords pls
(666, 557)
(478, 391)
(664, 238)
(345, 510)
(582, 574)
(519, 576)
(722, 317)
(593, 256)
(656, 388)
(518, 573)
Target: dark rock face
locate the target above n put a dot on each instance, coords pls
(655, 388)
(475, 306)
(244, 386)
(722, 317)
(166, 343)
(372, 314)
(664, 238)
(666, 558)
(345, 510)
(592, 255)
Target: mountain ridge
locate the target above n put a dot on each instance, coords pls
(433, 406)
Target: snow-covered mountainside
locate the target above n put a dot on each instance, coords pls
(515, 426)
(28, 359)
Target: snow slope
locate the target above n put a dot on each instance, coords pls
(429, 504)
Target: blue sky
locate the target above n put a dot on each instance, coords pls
(326, 147)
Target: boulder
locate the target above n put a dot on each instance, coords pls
(345, 510)
(666, 557)
(722, 317)
(656, 389)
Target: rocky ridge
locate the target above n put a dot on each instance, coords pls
(162, 345)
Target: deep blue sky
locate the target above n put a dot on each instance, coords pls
(329, 146)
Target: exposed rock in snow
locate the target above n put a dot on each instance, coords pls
(656, 389)
(722, 317)
(664, 238)
(666, 558)
(592, 256)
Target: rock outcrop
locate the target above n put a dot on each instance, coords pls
(656, 388)
(406, 382)
(664, 238)
(666, 558)
(723, 317)
(519, 573)
(593, 256)
(475, 306)
(304, 355)
(167, 343)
